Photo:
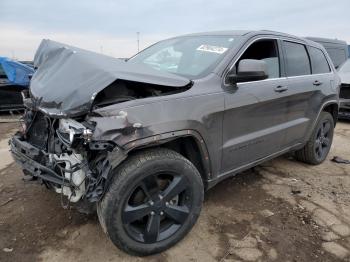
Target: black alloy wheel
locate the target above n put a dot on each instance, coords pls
(319, 144)
(157, 207)
(153, 200)
(323, 139)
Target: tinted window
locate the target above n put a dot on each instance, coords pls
(318, 61)
(297, 60)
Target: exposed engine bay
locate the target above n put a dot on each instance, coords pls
(122, 91)
(61, 153)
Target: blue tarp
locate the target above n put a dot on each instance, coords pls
(16, 72)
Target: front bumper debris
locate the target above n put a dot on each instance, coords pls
(32, 160)
(68, 174)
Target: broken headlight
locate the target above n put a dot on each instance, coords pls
(70, 130)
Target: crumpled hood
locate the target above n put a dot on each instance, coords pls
(68, 78)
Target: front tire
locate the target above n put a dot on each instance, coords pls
(153, 201)
(317, 148)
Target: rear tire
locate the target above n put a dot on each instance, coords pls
(153, 201)
(317, 148)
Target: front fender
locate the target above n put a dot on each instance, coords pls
(167, 137)
(157, 121)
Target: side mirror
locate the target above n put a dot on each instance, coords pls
(248, 70)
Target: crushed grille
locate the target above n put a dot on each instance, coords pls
(38, 131)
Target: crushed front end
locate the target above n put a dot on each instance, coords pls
(68, 141)
(61, 154)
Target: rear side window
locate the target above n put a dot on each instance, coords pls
(297, 60)
(318, 61)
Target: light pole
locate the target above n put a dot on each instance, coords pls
(138, 41)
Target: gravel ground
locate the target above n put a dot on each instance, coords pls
(282, 210)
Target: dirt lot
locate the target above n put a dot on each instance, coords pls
(280, 211)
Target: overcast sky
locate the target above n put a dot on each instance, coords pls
(110, 26)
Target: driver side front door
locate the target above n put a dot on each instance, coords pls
(254, 124)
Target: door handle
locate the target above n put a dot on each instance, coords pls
(317, 83)
(280, 89)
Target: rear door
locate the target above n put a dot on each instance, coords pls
(305, 84)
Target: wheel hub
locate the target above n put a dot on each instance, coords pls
(321, 139)
(157, 207)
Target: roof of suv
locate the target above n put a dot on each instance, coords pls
(328, 40)
(253, 33)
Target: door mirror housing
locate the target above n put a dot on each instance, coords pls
(248, 70)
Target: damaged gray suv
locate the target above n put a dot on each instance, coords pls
(142, 139)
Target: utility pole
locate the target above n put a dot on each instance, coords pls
(138, 41)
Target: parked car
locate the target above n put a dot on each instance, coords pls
(344, 73)
(337, 49)
(143, 139)
(14, 78)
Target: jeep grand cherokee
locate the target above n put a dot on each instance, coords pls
(143, 139)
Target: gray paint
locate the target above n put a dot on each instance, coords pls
(235, 126)
(239, 124)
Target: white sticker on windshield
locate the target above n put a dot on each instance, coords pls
(212, 49)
